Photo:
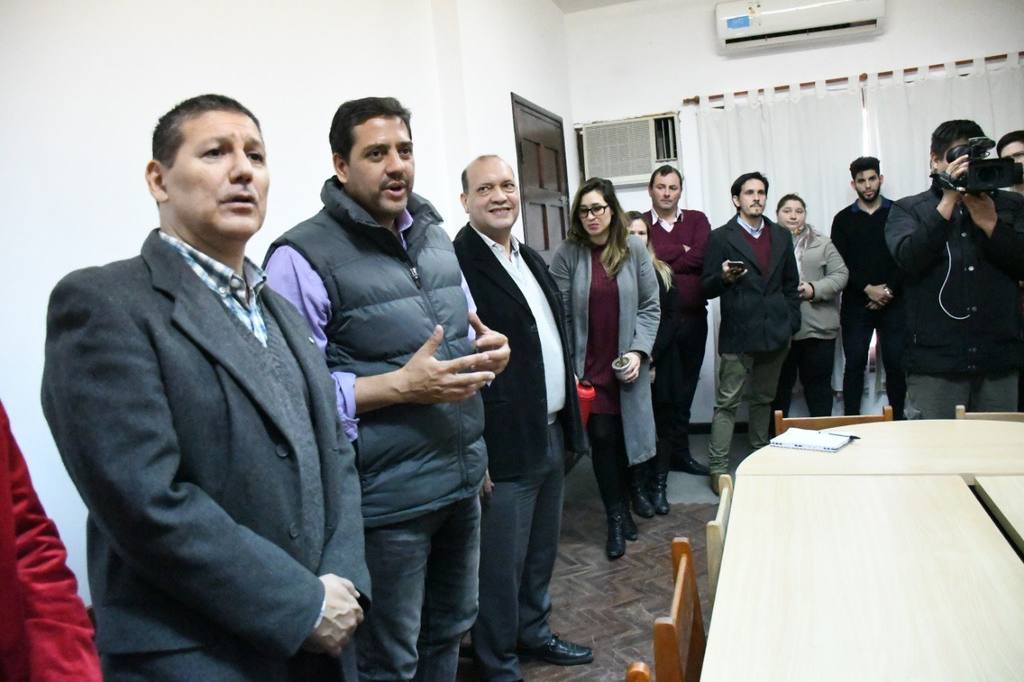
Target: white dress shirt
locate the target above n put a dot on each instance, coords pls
(547, 329)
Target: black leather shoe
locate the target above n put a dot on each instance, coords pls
(629, 527)
(686, 463)
(559, 652)
(616, 543)
(658, 495)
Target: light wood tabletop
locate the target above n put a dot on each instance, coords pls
(962, 447)
(1004, 497)
(865, 578)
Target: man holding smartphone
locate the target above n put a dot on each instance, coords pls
(749, 263)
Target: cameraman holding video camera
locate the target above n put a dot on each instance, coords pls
(961, 245)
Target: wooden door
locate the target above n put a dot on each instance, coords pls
(540, 147)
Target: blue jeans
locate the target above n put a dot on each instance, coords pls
(425, 577)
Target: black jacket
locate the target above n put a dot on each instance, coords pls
(760, 310)
(665, 356)
(960, 286)
(515, 404)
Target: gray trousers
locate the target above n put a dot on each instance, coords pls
(755, 376)
(935, 396)
(519, 529)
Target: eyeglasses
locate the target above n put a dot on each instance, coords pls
(595, 211)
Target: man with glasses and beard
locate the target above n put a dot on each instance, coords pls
(872, 299)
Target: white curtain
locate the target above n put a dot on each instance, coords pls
(902, 115)
(802, 141)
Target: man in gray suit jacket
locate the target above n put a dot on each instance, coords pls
(197, 420)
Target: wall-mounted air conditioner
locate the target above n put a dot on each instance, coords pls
(745, 24)
(626, 152)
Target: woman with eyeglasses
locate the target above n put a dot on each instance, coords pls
(611, 297)
(823, 275)
(666, 380)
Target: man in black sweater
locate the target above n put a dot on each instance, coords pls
(963, 254)
(873, 298)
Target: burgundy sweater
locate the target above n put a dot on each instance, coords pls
(602, 337)
(692, 230)
(762, 247)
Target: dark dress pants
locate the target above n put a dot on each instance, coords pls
(689, 345)
(519, 529)
(858, 323)
(813, 360)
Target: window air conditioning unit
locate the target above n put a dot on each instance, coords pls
(627, 152)
(745, 24)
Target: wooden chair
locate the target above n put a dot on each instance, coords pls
(962, 413)
(679, 640)
(815, 423)
(638, 672)
(716, 531)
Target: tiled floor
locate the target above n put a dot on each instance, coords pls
(611, 605)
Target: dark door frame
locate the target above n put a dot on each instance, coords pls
(541, 112)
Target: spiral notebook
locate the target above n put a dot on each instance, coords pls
(805, 439)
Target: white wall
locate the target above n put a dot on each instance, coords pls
(616, 69)
(85, 82)
(516, 46)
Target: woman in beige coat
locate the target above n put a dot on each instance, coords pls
(823, 275)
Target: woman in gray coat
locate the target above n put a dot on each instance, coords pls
(823, 275)
(611, 297)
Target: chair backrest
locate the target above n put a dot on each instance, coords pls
(716, 532)
(638, 672)
(962, 413)
(784, 423)
(679, 640)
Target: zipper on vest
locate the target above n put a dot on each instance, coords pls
(415, 276)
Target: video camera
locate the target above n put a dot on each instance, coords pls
(983, 174)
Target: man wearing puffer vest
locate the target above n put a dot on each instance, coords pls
(376, 276)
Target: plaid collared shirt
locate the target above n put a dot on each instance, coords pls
(240, 295)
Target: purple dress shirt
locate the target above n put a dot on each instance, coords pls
(291, 276)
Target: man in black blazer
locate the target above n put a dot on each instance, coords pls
(750, 263)
(532, 428)
(198, 422)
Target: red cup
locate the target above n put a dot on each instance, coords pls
(587, 393)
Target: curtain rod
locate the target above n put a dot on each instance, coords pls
(844, 80)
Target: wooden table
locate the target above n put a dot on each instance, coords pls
(962, 447)
(1004, 496)
(865, 578)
